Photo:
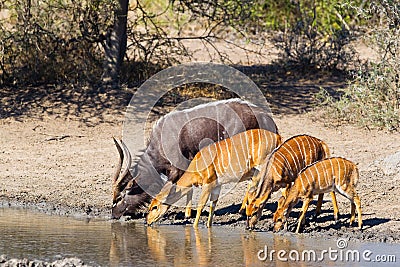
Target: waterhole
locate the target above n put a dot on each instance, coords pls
(33, 235)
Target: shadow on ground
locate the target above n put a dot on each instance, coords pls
(287, 91)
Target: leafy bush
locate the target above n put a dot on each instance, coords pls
(48, 41)
(372, 99)
(317, 35)
(56, 41)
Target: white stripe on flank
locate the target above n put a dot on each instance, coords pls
(339, 174)
(211, 161)
(227, 155)
(301, 160)
(319, 179)
(221, 156)
(333, 171)
(249, 151)
(293, 154)
(310, 149)
(196, 160)
(276, 171)
(276, 158)
(325, 175)
(244, 149)
(273, 141)
(242, 157)
(296, 159)
(319, 176)
(304, 152)
(345, 172)
(252, 143)
(286, 165)
(258, 144)
(235, 156)
(229, 158)
(291, 157)
(266, 145)
(308, 180)
(265, 141)
(204, 160)
(217, 162)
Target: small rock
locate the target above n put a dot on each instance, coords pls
(390, 165)
(68, 262)
(3, 258)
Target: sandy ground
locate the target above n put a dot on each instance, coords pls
(57, 155)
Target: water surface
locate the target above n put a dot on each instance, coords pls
(32, 235)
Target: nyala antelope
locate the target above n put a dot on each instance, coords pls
(328, 175)
(231, 160)
(280, 170)
(174, 141)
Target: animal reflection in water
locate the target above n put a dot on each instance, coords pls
(259, 251)
(184, 245)
(159, 246)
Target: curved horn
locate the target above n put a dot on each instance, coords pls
(126, 175)
(128, 160)
(121, 159)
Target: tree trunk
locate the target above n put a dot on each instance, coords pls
(115, 46)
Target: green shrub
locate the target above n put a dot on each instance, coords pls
(372, 98)
(317, 35)
(49, 41)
